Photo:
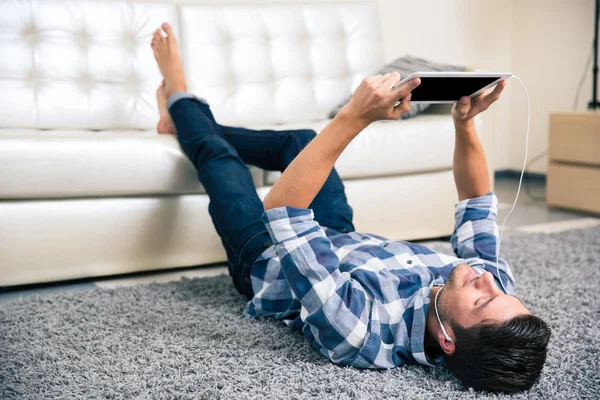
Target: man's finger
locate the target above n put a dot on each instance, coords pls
(402, 108)
(391, 79)
(494, 95)
(404, 90)
(387, 81)
(368, 79)
(463, 105)
(405, 105)
(479, 101)
(375, 81)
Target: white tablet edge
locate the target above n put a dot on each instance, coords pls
(501, 77)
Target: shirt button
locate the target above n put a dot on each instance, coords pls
(409, 261)
(365, 237)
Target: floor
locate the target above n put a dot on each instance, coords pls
(530, 215)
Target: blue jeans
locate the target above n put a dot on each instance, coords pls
(220, 154)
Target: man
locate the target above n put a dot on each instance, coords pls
(360, 300)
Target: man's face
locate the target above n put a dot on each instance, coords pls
(470, 299)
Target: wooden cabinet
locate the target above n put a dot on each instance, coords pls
(573, 179)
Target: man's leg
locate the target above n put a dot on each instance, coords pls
(275, 150)
(235, 207)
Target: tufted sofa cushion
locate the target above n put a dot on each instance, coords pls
(88, 65)
(79, 64)
(278, 63)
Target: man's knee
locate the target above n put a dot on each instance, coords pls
(296, 140)
(205, 148)
(304, 137)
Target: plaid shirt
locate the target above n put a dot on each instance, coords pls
(360, 299)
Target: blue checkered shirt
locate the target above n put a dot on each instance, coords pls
(360, 299)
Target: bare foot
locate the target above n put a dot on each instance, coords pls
(167, 58)
(165, 124)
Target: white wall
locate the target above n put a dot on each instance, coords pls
(473, 33)
(545, 42)
(551, 41)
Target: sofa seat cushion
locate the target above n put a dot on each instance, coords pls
(48, 164)
(388, 148)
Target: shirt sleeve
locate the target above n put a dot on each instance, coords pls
(475, 237)
(334, 307)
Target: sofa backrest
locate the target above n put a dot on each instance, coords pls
(88, 64)
(279, 63)
(79, 64)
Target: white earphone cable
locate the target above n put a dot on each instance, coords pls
(448, 338)
(520, 182)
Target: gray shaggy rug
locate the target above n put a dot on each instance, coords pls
(189, 340)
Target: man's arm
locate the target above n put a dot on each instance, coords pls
(470, 166)
(475, 235)
(304, 177)
(373, 100)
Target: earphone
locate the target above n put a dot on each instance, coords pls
(520, 182)
(448, 338)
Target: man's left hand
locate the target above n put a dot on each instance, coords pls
(466, 109)
(374, 99)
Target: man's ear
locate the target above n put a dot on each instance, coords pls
(448, 347)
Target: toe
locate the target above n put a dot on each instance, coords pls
(169, 31)
(159, 38)
(165, 125)
(161, 127)
(167, 28)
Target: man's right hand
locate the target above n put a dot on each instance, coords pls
(464, 112)
(374, 98)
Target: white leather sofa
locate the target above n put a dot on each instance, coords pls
(87, 186)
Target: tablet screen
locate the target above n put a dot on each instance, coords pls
(449, 88)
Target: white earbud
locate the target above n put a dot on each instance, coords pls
(448, 338)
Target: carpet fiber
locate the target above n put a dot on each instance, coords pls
(189, 340)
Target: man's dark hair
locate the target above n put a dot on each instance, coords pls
(506, 357)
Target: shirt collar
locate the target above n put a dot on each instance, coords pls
(421, 303)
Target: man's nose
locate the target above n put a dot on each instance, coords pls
(486, 282)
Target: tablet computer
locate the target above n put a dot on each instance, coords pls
(449, 87)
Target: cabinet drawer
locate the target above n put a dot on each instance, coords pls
(573, 186)
(575, 138)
